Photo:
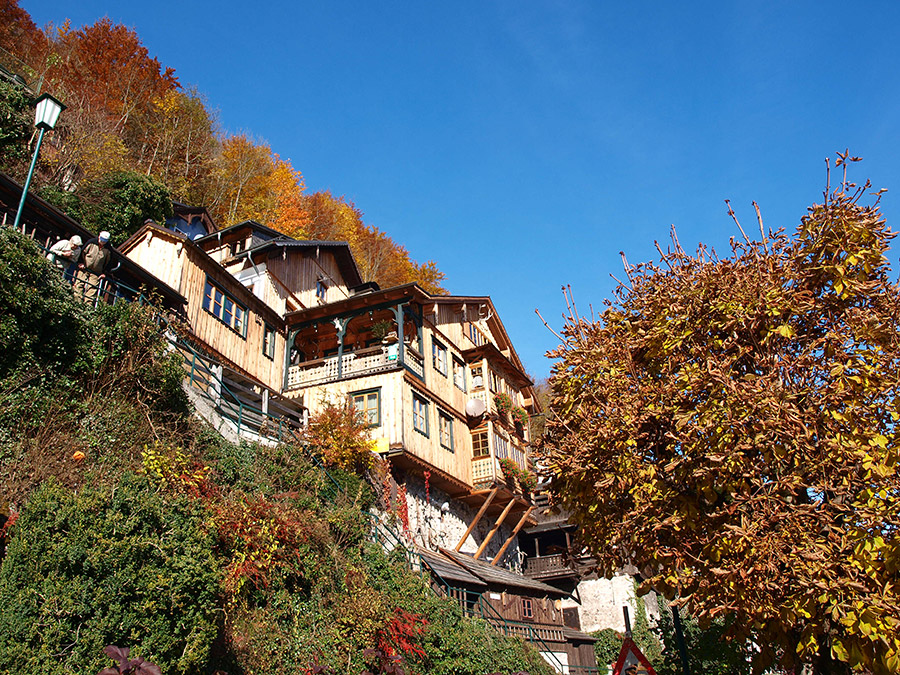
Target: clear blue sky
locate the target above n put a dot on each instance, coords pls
(523, 144)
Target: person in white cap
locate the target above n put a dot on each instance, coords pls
(94, 258)
(65, 255)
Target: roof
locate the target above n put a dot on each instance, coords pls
(448, 570)
(341, 249)
(498, 576)
(252, 224)
(385, 296)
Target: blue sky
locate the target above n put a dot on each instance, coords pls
(522, 145)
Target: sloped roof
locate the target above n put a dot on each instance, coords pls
(498, 576)
(450, 571)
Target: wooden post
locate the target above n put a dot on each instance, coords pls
(481, 511)
(494, 529)
(514, 533)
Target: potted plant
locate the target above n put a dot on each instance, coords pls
(504, 404)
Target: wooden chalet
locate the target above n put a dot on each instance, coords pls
(437, 378)
(224, 319)
(515, 605)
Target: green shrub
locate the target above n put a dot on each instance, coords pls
(42, 326)
(123, 566)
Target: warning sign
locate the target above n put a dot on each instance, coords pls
(631, 661)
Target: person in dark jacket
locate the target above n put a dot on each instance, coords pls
(95, 257)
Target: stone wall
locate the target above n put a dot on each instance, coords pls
(437, 521)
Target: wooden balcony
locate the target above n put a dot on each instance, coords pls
(556, 566)
(353, 364)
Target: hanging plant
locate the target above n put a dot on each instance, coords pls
(520, 416)
(503, 402)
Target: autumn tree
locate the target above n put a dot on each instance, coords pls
(379, 257)
(729, 426)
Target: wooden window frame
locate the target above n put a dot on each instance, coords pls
(527, 608)
(439, 356)
(459, 373)
(420, 414)
(476, 378)
(268, 347)
(481, 443)
(442, 418)
(363, 397)
(217, 306)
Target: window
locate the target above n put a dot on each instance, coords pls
(420, 414)
(480, 443)
(222, 306)
(501, 446)
(321, 289)
(269, 342)
(527, 609)
(445, 422)
(439, 357)
(496, 382)
(477, 377)
(475, 335)
(459, 374)
(368, 404)
(238, 246)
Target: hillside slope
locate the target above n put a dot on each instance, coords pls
(127, 522)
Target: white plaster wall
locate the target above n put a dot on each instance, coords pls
(602, 601)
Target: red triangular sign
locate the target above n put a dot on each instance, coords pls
(631, 661)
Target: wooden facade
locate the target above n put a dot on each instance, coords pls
(253, 344)
(439, 364)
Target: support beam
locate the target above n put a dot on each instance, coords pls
(487, 503)
(512, 536)
(494, 529)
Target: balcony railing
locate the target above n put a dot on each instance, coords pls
(548, 566)
(353, 364)
(484, 470)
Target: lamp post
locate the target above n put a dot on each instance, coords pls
(45, 115)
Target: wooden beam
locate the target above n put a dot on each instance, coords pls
(481, 511)
(494, 529)
(514, 533)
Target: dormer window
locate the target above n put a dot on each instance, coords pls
(321, 289)
(238, 246)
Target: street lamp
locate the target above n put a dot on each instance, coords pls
(45, 116)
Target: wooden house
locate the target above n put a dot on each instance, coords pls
(437, 378)
(223, 318)
(515, 605)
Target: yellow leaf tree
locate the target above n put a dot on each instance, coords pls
(729, 426)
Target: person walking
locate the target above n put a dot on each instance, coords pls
(65, 254)
(91, 269)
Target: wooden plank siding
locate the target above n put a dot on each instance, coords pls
(389, 385)
(183, 265)
(299, 270)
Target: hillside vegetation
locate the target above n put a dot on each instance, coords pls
(133, 129)
(125, 521)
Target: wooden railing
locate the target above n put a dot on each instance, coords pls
(547, 565)
(352, 364)
(484, 470)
